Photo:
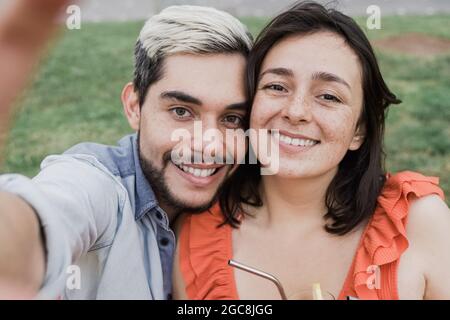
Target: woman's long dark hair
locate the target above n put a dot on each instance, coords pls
(352, 195)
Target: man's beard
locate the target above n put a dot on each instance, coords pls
(155, 178)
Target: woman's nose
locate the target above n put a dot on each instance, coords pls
(298, 110)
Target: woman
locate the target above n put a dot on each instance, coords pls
(330, 215)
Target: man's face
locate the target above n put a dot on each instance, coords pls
(205, 90)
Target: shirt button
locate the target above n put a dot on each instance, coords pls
(159, 215)
(164, 242)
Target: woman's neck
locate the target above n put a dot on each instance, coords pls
(290, 200)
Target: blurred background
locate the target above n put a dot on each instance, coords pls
(75, 95)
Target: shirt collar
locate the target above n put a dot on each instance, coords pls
(145, 197)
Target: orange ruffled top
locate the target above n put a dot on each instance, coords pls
(206, 249)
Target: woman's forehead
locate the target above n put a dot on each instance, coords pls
(322, 51)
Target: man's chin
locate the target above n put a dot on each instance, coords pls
(189, 206)
(190, 195)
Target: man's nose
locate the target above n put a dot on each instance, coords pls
(208, 139)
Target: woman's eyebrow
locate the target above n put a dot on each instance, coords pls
(277, 71)
(329, 77)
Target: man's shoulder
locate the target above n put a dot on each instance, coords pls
(118, 159)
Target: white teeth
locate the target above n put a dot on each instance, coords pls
(295, 141)
(197, 172)
(285, 139)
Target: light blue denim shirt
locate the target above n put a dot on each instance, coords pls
(101, 223)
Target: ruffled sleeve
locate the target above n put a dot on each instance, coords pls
(205, 250)
(384, 239)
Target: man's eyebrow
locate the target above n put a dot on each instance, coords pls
(277, 71)
(329, 77)
(180, 96)
(184, 97)
(238, 106)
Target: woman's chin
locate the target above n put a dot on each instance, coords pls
(286, 173)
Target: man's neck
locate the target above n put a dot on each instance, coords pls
(172, 213)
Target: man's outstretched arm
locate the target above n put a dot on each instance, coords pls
(22, 255)
(74, 203)
(26, 26)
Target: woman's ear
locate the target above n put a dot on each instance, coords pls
(358, 138)
(131, 106)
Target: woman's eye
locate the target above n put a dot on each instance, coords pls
(330, 97)
(233, 120)
(275, 87)
(181, 112)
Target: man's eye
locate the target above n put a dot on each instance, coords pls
(180, 112)
(234, 120)
(330, 97)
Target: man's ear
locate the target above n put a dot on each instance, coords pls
(131, 107)
(358, 138)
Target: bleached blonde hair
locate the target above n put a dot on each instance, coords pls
(185, 29)
(193, 29)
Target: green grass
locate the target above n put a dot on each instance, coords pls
(76, 97)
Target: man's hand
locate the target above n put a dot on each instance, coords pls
(26, 26)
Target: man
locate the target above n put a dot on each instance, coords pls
(108, 210)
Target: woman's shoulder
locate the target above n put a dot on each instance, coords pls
(406, 184)
(402, 193)
(199, 228)
(209, 218)
(203, 250)
(405, 195)
(428, 233)
(406, 199)
(429, 221)
(422, 194)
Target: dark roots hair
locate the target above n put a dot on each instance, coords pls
(352, 195)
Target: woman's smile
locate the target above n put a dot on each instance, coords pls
(292, 142)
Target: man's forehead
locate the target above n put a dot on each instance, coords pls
(209, 79)
(219, 64)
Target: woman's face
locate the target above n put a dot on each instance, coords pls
(310, 89)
